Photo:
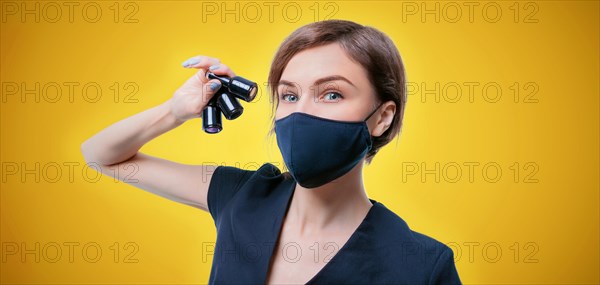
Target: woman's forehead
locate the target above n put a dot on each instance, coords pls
(310, 65)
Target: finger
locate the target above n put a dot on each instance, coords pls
(200, 61)
(213, 86)
(201, 75)
(198, 79)
(221, 69)
(210, 89)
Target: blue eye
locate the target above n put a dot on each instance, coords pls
(333, 96)
(293, 97)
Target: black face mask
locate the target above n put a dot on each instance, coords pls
(317, 150)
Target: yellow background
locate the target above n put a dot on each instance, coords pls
(543, 218)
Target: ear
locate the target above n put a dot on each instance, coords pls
(385, 118)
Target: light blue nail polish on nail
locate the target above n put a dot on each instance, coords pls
(190, 62)
(213, 67)
(214, 85)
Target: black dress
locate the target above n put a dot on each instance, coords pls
(248, 208)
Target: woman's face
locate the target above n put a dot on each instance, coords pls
(323, 81)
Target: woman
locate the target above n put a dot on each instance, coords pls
(340, 94)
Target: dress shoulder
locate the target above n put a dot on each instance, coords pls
(227, 181)
(416, 254)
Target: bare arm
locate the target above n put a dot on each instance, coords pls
(116, 147)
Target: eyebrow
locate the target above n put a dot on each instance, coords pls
(320, 80)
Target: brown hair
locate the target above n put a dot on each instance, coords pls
(366, 45)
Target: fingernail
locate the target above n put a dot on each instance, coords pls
(214, 85)
(190, 62)
(213, 67)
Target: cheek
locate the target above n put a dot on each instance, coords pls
(281, 111)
